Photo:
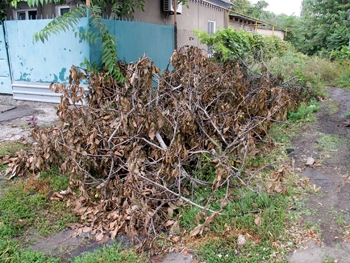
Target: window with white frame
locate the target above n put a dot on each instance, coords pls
(26, 14)
(61, 10)
(211, 27)
(211, 30)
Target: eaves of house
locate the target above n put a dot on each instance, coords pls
(223, 3)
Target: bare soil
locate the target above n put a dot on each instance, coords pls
(327, 141)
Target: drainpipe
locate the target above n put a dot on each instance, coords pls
(175, 24)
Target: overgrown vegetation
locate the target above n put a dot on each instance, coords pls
(279, 57)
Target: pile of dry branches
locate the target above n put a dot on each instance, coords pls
(134, 150)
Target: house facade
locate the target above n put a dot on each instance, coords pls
(24, 12)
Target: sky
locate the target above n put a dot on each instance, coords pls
(283, 6)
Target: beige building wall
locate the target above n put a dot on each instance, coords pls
(153, 13)
(270, 32)
(242, 26)
(198, 16)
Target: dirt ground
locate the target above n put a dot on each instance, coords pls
(327, 141)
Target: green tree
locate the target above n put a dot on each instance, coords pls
(246, 8)
(241, 6)
(324, 26)
(3, 6)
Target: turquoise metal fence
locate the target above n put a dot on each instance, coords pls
(134, 39)
(34, 65)
(43, 62)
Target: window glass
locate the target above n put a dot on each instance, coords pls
(211, 30)
(21, 15)
(32, 14)
(64, 10)
(211, 27)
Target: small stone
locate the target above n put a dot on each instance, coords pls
(310, 161)
(289, 150)
(241, 240)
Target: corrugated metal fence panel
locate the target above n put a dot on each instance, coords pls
(5, 77)
(34, 91)
(38, 64)
(134, 39)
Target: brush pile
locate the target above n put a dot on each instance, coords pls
(134, 150)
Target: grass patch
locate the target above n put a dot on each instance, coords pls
(226, 250)
(328, 142)
(11, 252)
(9, 147)
(25, 203)
(332, 107)
(110, 253)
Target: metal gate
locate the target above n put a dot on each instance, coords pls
(5, 76)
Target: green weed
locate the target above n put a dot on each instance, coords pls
(305, 111)
(328, 259)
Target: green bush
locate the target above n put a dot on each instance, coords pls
(304, 111)
(232, 44)
(342, 54)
